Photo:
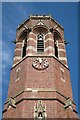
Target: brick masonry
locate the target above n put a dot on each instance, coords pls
(28, 85)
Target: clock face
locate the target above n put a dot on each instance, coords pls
(40, 63)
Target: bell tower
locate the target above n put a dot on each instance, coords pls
(40, 85)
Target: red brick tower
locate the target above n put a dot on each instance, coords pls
(40, 78)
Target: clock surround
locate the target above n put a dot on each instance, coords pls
(40, 63)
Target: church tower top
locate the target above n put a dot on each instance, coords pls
(40, 17)
(40, 35)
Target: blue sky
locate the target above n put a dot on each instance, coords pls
(15, 13)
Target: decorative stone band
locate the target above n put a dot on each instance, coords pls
(31, 47)
(62, 50)
(51, 54)
(31, 33)
(48, 35)
(61, 43)
(40, 89)
(40, 55)
(18, 43)
(62, 58)
(17, 57)
(49, 48)
(18, 49)
(65, 101)
(31, 39)
(49, 39)
(29, 54)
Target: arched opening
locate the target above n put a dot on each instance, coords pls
(57, 38)
(40, 115)
(24, 48)
(56, 49)
(23, 38)
(40, 42)
(40, 31)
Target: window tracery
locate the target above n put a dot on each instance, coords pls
(40, 42)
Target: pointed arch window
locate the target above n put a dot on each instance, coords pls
(56, 40)
(24, 47)
(56, 49)
(23, 38)
(40, 42)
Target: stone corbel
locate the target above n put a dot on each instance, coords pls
(11, 103)
(68, 104)
(53, 28)
(27, 28)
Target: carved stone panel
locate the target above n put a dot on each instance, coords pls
(40, 112)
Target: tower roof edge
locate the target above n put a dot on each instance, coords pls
(39, 17)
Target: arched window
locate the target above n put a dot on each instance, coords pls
(57, 38)
(23, 38)
(40, 42)
(56, 49)
(24, 48)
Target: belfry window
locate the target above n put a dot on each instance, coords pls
(56, 40)
(23, 39)
(24, 48)
(40, 42)
(56, 49)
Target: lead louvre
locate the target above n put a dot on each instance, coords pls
(40, 43)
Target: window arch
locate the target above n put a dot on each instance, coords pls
(24, 48)
(57, 38)
(56, 48)
(22, 36)
(40, 42)
(23, 39)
